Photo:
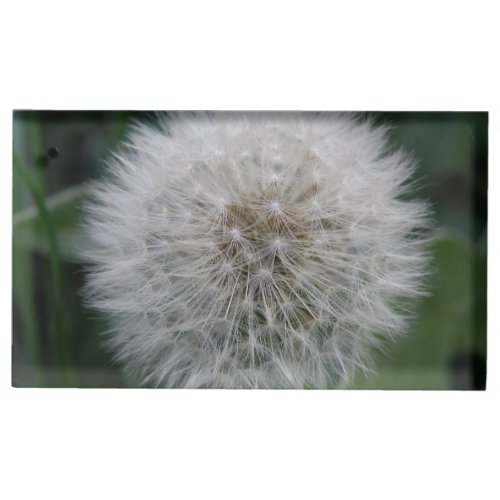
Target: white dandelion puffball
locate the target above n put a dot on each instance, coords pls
(254, 250)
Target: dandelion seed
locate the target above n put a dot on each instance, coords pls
(254, 250)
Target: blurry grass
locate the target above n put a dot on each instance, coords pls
(54, 336)
(22, 276)
(57, 327)
(64, 208)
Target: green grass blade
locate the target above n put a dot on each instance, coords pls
(54, 259)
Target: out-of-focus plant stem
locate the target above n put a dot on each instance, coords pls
(58, 334)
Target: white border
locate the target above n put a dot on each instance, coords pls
(383, 55)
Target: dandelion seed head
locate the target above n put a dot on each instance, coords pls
(254, 250)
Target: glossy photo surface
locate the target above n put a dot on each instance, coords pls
(240, 250)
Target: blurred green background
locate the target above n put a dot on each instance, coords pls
(56, 341)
